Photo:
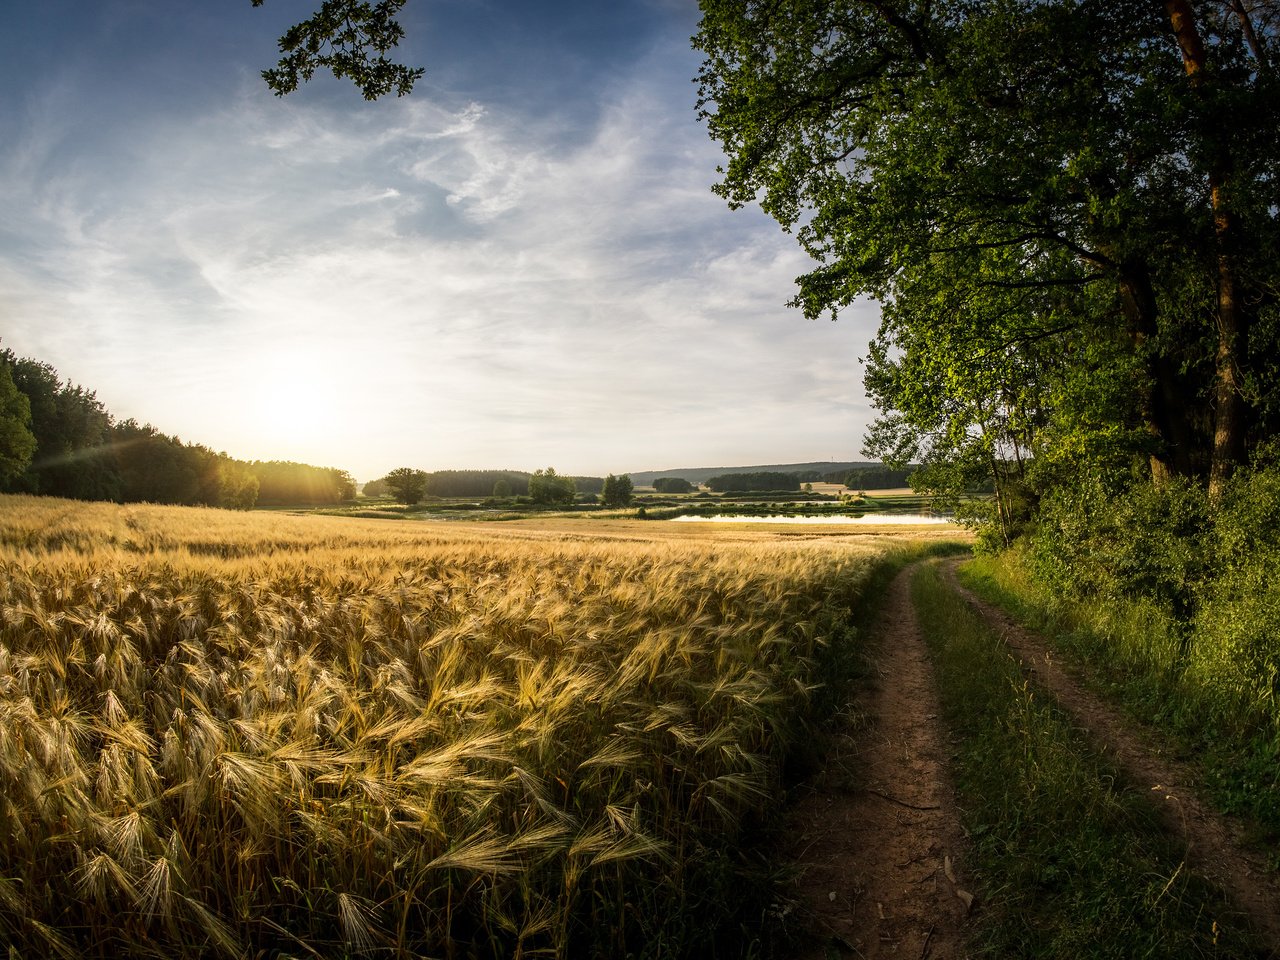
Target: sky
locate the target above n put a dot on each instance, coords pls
(521, 264)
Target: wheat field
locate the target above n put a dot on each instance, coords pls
(242, 735)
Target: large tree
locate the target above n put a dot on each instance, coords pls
(1035, 191)
(17, 443)
(407, 484)
(73, 432)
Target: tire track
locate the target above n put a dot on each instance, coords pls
(877, 837)
(1215, 845)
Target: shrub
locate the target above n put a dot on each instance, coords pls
(1238, 624)
(1145, 541)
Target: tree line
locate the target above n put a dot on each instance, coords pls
(873, 478)
(542, 487)
(477, 483)
(57, 439)
(763, 481)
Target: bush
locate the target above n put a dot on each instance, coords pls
(1238, 624)
(1143, 542)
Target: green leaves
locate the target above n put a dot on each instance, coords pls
(351, 39)
(1024, 186)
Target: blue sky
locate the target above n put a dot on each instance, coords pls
(519, 265)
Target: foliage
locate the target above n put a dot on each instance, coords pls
(1237, 627)
(877, 478)
(1140, 541)
(407, 484)
(476, 483)
(672, 485)
(616, 491)
(351, 39)
(285, 483)
(588, 484)
(246, 735)
(548, 488)
(502, 488)
(760, 481)
(1066, 211)
(73, 433)
(17, 442)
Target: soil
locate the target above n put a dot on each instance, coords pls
(876, 837)
(1215, 845)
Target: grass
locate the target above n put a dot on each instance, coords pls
(1140, 659)
(1071, 862)
(231, 734)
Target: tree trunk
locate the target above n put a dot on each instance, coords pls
(1230, 411)
(1163, 404)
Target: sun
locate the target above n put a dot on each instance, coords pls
(297, 398)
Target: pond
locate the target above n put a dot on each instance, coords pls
(865, 518)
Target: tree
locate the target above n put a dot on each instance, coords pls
(350, 39)
(1028, 188)
(154, 467)
(617, 491)
(548, 488)
(502, 488)
(672, 485)
(73, 433)
(17, 442)
(407, 485)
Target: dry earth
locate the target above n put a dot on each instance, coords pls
(1215, 846)
(877, 837)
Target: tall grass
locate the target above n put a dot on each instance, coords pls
(1071, 861)
(228, 734)
(1169, 674)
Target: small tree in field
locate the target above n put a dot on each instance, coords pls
(617, 491)
(407, 485)
(502, 489)
(548, 487)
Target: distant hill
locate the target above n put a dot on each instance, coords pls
(645, 478)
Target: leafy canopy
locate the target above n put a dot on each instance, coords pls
(350, 39)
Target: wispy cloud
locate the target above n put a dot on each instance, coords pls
(443, 283)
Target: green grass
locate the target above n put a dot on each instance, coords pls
(1070, 861)
(1141, 661)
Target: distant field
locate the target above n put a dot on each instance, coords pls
(229, 733)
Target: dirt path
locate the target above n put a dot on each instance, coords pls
(878, 838)
(1215, 846)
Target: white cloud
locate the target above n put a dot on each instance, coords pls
(437, 284)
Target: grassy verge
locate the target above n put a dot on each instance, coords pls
(1070, 861)
(1141, 661)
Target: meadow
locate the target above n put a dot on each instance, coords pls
(261, 735)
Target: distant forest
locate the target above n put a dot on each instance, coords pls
(480, 483)
(805, 472)
(760, 481)
(59, 440)
(877, 478)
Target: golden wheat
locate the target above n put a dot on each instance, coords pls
(228, 734)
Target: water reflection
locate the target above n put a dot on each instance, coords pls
(906, 519)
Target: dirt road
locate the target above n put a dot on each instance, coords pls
(877, 836)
